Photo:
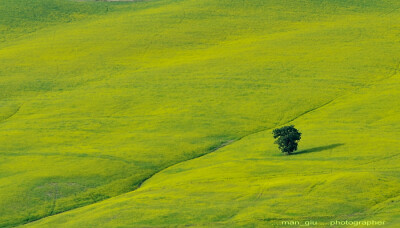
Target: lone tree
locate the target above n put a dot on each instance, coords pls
(287, 138)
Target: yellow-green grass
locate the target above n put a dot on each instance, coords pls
(21, 17)
(91, 108)
(346, 169)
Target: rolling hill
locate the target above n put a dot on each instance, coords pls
(159, 113)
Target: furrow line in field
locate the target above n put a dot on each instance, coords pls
(11, 115)
(214, 149)
(229, 142)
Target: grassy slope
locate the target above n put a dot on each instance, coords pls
(90, 109)
(346, 168)
(22, 17)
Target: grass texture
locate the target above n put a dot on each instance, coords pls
(98, 97)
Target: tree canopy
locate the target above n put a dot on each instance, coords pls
(287, 138)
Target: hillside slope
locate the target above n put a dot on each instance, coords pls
(22, 17)
(91, 108)
(346, 169)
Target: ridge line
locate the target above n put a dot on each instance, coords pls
(220, 146)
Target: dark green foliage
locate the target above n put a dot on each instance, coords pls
(287, 138)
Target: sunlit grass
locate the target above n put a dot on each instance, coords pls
(91, 108)
(346, 169)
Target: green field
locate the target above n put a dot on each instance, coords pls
(159, 113)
